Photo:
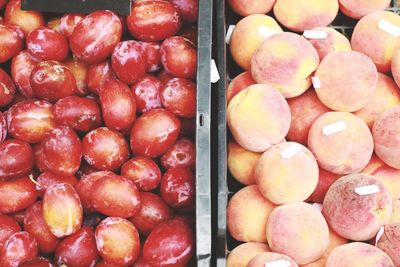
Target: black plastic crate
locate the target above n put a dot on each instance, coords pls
(203, 138)
(228, 69)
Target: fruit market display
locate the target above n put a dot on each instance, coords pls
(314, 120)
(97, 152)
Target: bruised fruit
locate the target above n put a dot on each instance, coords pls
(20, 247)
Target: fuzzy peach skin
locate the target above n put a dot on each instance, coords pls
(345, 151)
(335, 41)
(390, 242)
(325, 180)
(359, 8)
(239, 83)
(379, 45)
(348, 80)
(284, 180)
(242, 163)
(395, 218)
(335, 240)
(389, 176)
(242, 254)
(258, 117)
(285, 61)
(386, 96)
(249, 33)
(262, 259)
(358, 255)
(245, 7)
(299, 231)
(304, 15)
(247, 215)
(395, 66)
(305, 109)
(386, 132)
(353, 216)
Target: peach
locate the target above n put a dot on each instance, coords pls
(389, 176)
(378, 44)
(390, 242)
(325, 180)
(242, 163)
(249, 33)
(386, 132)
(245, 8)
(305, 109)
(262, 260)
(258, 117)
(242, 254)
(287, 172)
(302, 15)
(386, 96)
(299, 231)
(395, 218)
(334, 41)
(341, 142)
(358, 255)
(347, 79)
(352, 214)
(335, 240)
(239, 83)
(285, 61)
(247, 215)
(359, 8)
(395, 66)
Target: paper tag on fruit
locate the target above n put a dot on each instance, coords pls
(229, 33)
(334, 128)
(309, 34)
(379, 235)
(367, 190)
(389, 28)
(316, 82)
(292, 150)
(278, 263)
(318, 206)
(266, 31)
(214, 72)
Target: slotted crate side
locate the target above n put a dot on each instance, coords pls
(227, 185)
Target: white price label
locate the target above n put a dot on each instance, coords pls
(367, 190)
(214, 72)
(318, 206)
(334, 128)
(290, 151)
(266, 31)
(229, 33)
(379, 235)
(316, 82)
(278, 263)
(389, 28)
(310, 34)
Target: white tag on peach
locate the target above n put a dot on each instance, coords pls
(318, 206)
(367, 190)
(214, 72)
(379, 235)
(310, 34)
(316, 82)
(229, 33)
(334, 128)
(389, 28)
(290, 151)
(266, 31)
(278, 263)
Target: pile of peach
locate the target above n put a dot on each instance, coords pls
(315, 120)
(97, 122)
